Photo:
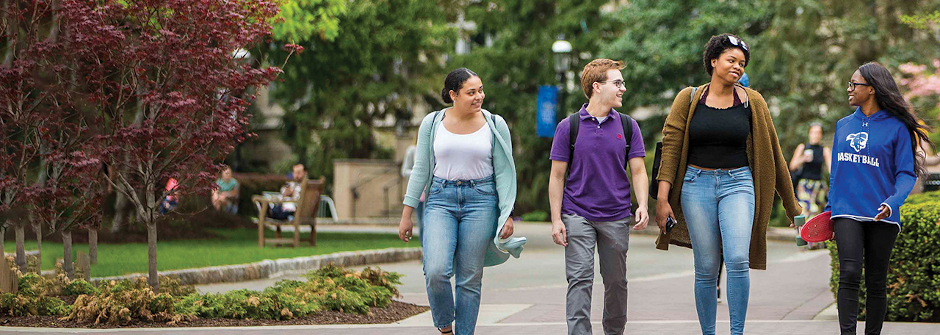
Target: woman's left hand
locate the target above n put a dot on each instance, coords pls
(884, 212)
(507, 229)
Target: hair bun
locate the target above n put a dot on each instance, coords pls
(445, 95)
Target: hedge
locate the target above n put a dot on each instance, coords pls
(914, 269)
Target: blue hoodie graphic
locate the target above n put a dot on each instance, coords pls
(872, 165)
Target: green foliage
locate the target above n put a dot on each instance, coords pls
(120, 302)
(329, 288)
(245, 304)
(802, 52)
(383, 57)
(34, 297)
(23, 305)
(511, 50)
(914, 272)
(918, 199)
(349, 291)
(837, 37)
(662, 43)
(34, 285)
(921, 21)
(79, 287)
(172, 286)
(303, 19)
(535, 216)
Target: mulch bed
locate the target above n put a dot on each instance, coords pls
(396, 311)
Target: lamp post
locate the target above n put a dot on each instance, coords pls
(561, 49)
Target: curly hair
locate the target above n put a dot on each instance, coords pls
(718, 44)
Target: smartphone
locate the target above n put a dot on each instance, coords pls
(808, 152)
(670, 223)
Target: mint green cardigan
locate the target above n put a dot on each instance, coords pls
(504, 171)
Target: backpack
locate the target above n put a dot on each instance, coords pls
(574, 122)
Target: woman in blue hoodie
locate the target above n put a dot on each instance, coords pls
(874, 167)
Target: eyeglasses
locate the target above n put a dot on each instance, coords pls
(618, 83)
(852, 85)
(737, 42)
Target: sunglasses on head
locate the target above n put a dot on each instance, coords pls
(737, 42)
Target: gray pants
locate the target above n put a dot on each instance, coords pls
(612, 239)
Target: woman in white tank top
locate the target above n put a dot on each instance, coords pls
(461, 157)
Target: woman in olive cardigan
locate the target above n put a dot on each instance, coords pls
(768, 166)
(726, 177)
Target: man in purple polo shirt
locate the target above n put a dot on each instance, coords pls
(592, 206)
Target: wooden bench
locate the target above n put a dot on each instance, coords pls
(308, 203)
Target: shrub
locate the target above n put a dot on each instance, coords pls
(914, 272)
(388, 280)
(34, 297)
(349, 291)
(172, 286)
(329, 288)
(123, 301)
(79, 287)
(245, 304)
(22, 305)
(34, 285)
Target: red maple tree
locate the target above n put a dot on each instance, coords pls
(169, 92)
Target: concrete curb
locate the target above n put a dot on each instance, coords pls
(274, 268)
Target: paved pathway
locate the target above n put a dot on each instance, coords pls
(527, 295)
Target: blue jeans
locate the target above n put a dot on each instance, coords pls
(459, 223)
(719, 211)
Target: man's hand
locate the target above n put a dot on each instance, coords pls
(559, 233)
(884, 212)
(507, 229)
(642, 218)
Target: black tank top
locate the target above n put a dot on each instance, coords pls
(718, 137)
(813, 169)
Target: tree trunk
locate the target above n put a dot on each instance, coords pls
(67, 254)
(120, 212)
(93, 245)
(152, 256)
(20, 232)
(38, 230)
(3, 235)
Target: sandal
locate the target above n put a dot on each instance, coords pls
(449, 331)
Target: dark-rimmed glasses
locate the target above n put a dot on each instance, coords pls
(852, 85)
(618, 83)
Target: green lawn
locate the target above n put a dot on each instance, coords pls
(239, 246)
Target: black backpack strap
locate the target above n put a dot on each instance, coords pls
(574, 122)
(627, 123)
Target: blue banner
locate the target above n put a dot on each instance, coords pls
(547, 110)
